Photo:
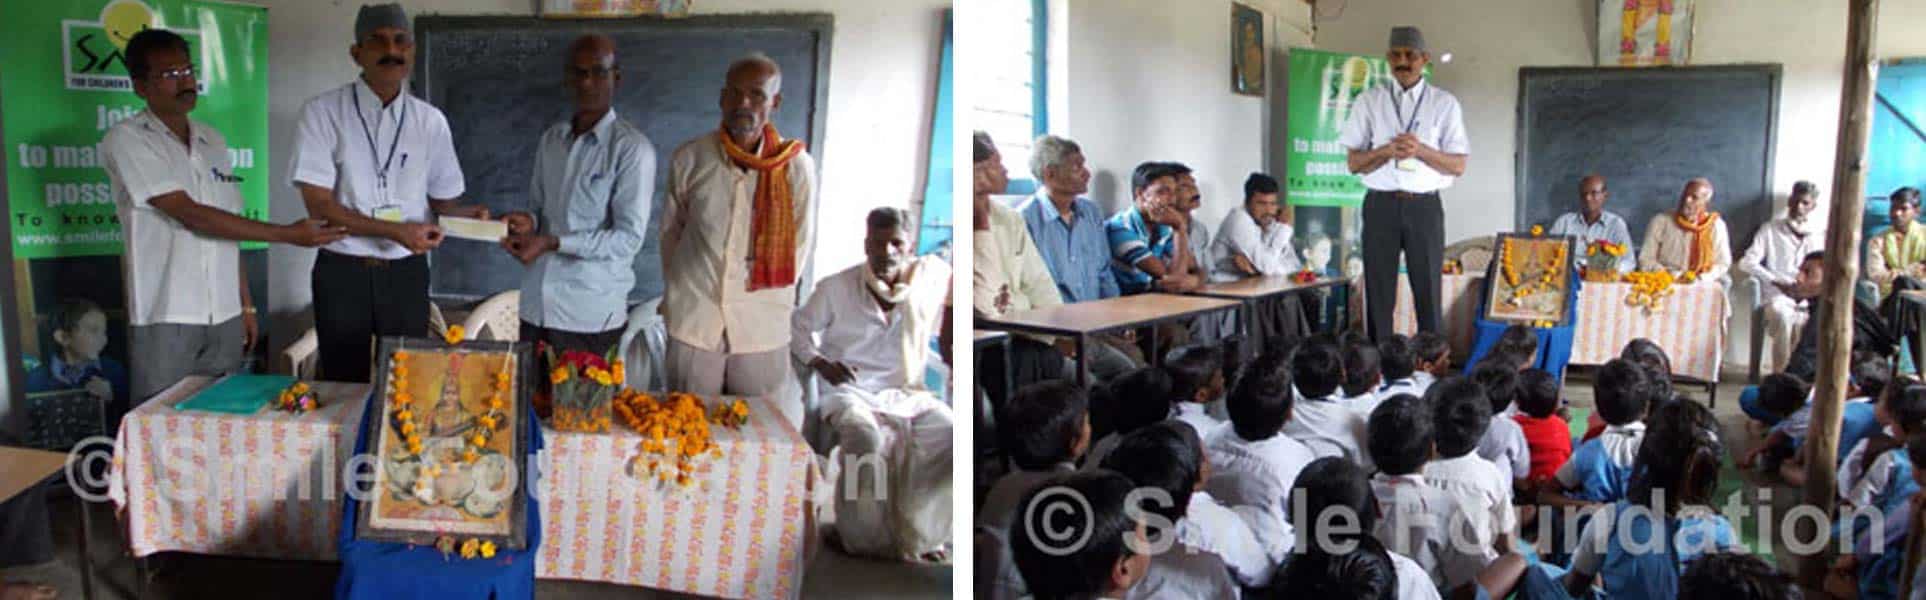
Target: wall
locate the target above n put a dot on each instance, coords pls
(883, 65)
(1490, 45)
(1145, 82)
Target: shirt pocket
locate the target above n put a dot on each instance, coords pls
(588, 201)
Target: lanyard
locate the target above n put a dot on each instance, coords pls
(374, 152)
(1408, 125)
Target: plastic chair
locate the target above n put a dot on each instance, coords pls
(500, 316)
(644, 344)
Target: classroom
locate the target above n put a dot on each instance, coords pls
(1410, 299)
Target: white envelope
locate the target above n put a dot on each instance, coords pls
(474, 229)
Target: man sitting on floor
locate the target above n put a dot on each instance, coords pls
(874, 322)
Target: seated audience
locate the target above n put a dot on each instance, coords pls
(1773, 263)
(1044, 430)
(1432, 356)
(1168, 458)
(1592, 223)
(1363, 377)
(1008, 275)
(1067, 228)
(1398, 366)
(1547, 435)
(1321, 419)
(1149, 249)
(1480, 490)
(1873, 568)
(1132, 401)
(1600, 469)
(1108, 566)
(1252, 461)
(1784, 402)
(1197, 383)
(1735, 576)
(1417, 519)
(1333, 491)
(1504, 441)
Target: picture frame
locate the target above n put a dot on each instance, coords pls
(613, 9)
(1541, 290)
(484, 496)
(1247, 50)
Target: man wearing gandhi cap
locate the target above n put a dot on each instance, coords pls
(1408, 141)
(370, 157)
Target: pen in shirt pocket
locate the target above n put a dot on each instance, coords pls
(404, 160)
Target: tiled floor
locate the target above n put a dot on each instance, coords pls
(831, 575)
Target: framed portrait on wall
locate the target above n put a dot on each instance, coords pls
(449, 442)
(1530, 279)
(1247, 50)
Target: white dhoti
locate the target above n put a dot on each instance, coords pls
(891, 471)
(1784, 318)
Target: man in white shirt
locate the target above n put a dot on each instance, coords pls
(372, 158)
(1254, 240)
(1773, 263)
(1408, 142)
(593, 178)
(1009, 274)
(736, 232)
(1590, 223)
(178, 201)
(875, 321)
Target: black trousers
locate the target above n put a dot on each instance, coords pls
(1029, 361)
(1413, 224)
(357, 299)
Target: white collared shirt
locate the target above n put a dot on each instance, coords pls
(1415, 385)
(1212, 527)
(1279, 457)
(1329, 427)
(1504, 445)
(1197, 416)
(1376, 118)
(592, 193)
(1850, 474)
(1416, 519)
(1482, 492)
(1413, 582)
(1621, 446)
(173, 274)
(1268, 248)
(706, 249)
(1000, 504)
(857, 332)
(1775, 254)
(337, 149)
(1184, 572)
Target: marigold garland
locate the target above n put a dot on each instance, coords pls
(411, 429)
(298, 398)
(675, 433)
(1649, 289)
(1546, 280)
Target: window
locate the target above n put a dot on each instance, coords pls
(1011, 103)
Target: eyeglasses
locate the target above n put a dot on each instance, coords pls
(594, 73)
(178, 74)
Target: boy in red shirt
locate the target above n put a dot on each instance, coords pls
(1547, 434)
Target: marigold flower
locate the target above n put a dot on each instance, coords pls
(480, 440)
(472, 547)
(487, 549)
(487, 422)
(619, 372)
(559, 375)
(454, 335)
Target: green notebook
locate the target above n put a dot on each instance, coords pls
(238, 394)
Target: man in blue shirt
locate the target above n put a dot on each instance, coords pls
(1068, 230)
(1592, 224)
(1149, 245)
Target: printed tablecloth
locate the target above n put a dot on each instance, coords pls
(208, 483)
(1690, 323)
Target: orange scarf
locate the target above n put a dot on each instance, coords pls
(1703, 250)
(773, 222)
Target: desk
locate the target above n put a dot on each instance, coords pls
(1249, 291)
(743, 531)
(1085, 319)
(21, 470)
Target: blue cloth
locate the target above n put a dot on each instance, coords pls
(389, 571)
(1131, 240)
(1647, 569)
(1554, 343)
(1600, 479)
(1749, 402)
(1857, 422)
(1078, 254)
(1879, 571)
(1888, 502)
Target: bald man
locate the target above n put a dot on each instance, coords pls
(588, 210)
(1590, 223)
(736, 232)
(1692, 239)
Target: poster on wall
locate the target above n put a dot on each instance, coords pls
(1644, 33)
(601, 9)
(1322, 87)
(65, 83)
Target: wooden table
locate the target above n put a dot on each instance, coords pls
(1082, 320)
(1250, 290)
(22, 469)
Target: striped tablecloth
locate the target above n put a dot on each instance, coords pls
(1690, 324)
(208, 483)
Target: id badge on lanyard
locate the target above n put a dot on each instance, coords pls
(387, 205)
(1409, 164)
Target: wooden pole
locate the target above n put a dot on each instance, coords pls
(1842, 269)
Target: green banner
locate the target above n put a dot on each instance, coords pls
(65, 83)
(1322, 87)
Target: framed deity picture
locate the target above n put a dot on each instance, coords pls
(1531, 279)
(1247, 50)
(449, 443)
(594, 9)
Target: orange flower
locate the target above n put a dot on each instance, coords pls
(557, 376)
(1537, 230)
(487, 422)
(454, 335)
(470, 548)
(620, 373)
(487, 549)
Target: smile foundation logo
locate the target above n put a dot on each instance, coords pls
(95, 52)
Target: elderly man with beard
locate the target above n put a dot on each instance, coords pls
(866, 331)
(736, 232)
(178, 199)
(1773, 261)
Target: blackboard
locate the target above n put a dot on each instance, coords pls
(499, 81)
(1648, 131)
